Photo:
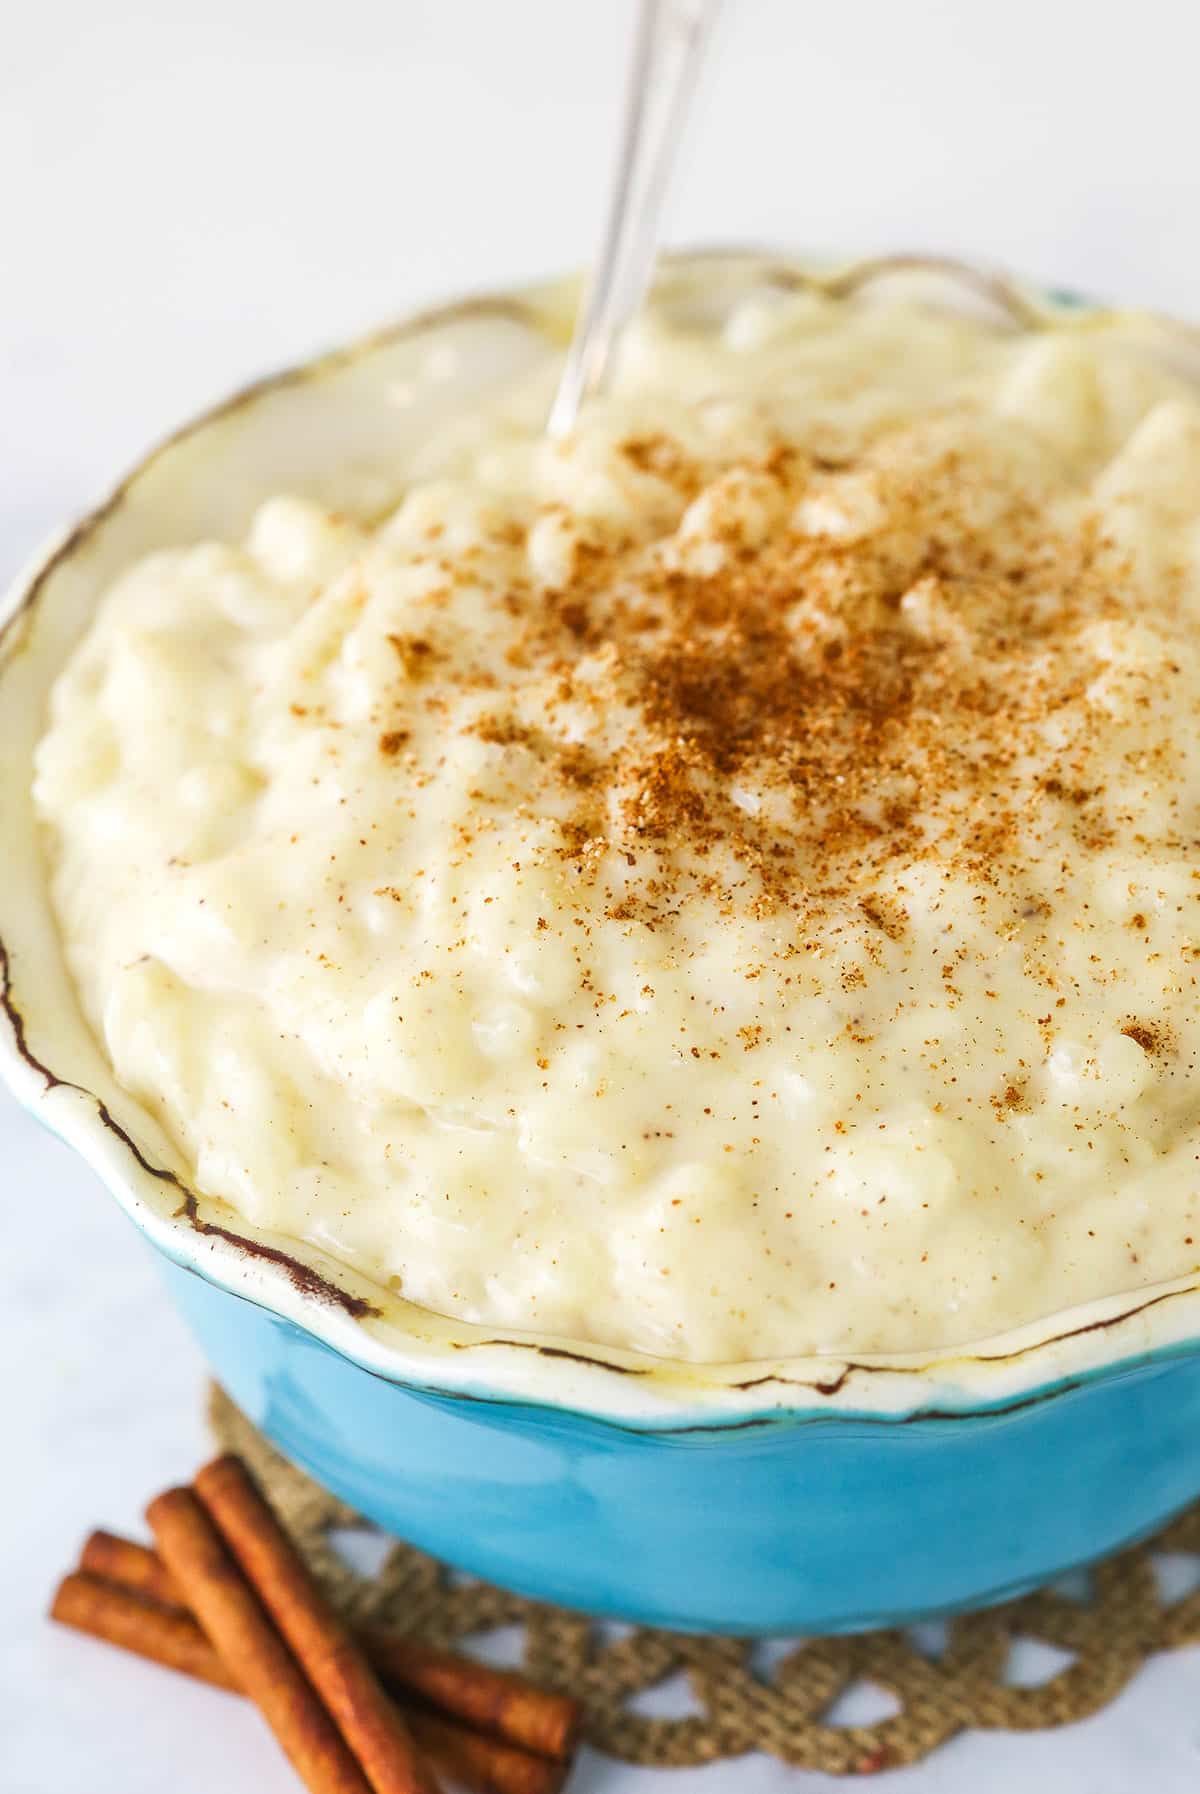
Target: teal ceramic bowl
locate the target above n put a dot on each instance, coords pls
(806, 1495)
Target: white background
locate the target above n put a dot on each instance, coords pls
(190, 195)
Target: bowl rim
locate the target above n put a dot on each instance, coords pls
(435, 1355)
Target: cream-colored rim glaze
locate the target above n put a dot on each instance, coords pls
(338, 427)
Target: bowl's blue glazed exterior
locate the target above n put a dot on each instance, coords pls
(776, 1523)
(803, 1495)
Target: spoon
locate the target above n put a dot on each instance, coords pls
(669, 47)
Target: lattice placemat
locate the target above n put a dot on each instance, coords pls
(742, 1706)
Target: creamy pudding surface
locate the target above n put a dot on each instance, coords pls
(725, 884)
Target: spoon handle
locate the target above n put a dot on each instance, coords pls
(671, 37)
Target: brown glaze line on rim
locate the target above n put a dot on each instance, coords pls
(784, 1418)
(900, 1370)
(302, 1276)
(556, 1351)
(943, 1416)
(16, 1022)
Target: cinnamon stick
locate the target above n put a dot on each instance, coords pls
(486, 1765)
(131, 1566)
(324, 1646)
(506, 1705)
(252, 1651)
(165, 1635)
(494, 1700)
(171, 1637)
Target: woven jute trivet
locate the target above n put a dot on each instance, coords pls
(742, 1706)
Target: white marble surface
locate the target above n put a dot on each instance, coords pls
(193, 194)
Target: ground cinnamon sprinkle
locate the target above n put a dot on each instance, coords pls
(416, 655)
(807, 708)
(1154, 1038)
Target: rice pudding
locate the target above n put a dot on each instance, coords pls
(724, 884)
